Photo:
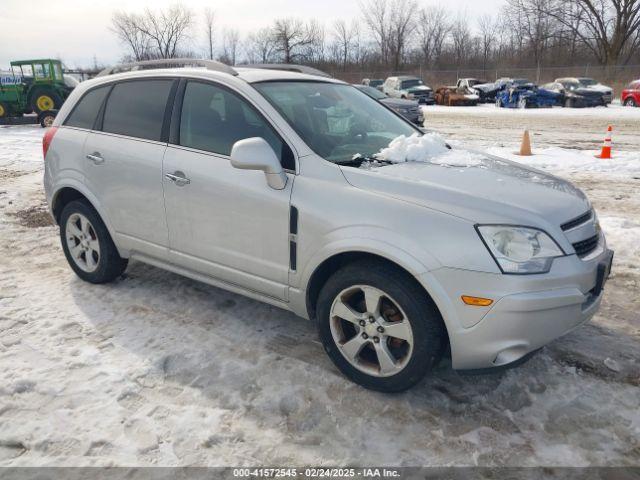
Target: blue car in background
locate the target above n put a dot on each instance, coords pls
(520, 93)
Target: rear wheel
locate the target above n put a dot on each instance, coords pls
(630, 102)
(43, 100)
(87, 244)
(379, 327)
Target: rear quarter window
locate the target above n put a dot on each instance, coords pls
(86, 110)
(136, 108)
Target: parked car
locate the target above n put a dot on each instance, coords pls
(526, 95)
(631, 95)
(486, 91)
(456, 96)
(572, 94)
(410, 109)
(589, 84)
(250, 180)
(408, 87)
(373, 82)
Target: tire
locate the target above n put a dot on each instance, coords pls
(4, 110)
(46, 119)
(43, 100)
(401, 305)
(94, 258)
(630, 102)
(522, 103)
(498, 102)
(568, 103)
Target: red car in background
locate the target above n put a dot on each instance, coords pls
(631, 95)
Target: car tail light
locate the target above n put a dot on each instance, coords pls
(46, 140)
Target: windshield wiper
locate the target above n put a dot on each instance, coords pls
(359, 159)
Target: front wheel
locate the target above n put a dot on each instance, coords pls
(629, 102)
(87, 244)
(379, 327)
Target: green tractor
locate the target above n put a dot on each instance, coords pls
(33, 86)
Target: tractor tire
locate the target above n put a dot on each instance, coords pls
(42, 100)
(4, 110)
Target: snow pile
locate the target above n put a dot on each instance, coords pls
(579, 161)
(416, 148)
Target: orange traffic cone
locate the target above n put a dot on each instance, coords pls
(606, 147)
(525, 146)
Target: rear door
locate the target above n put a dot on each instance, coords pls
(123, 163)
(224, 222)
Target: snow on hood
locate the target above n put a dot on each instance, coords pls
(430, 148)
(598, 87)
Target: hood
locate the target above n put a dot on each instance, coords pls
(478, 187)
(419, 89)
(485, 87)
(599, 88)
(399, 102)
(585, 92)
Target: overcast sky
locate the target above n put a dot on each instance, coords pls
(76, 30)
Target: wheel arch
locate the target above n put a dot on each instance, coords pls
(71, 191)
(332, 264)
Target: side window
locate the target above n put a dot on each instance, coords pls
(213, 119)
(84, 113)
(136, 108)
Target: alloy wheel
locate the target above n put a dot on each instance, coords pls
(82, 242)
(371, 330)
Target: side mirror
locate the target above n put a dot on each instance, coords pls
(256, 154)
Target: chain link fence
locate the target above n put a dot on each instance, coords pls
(617, 76)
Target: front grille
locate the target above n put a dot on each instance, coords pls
(584, 218)
(585, 247)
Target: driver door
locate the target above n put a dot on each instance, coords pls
(224, 222)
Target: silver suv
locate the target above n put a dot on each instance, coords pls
(274, 184)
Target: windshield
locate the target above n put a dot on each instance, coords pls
(587, 82)
(337, 121)
(411, 83)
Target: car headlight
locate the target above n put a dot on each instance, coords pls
(520, 250)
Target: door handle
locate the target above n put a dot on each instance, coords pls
(178, 178)
(96, 158)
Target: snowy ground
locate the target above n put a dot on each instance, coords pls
(156, 369)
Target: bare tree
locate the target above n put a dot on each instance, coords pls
(487, 32)
(230, 43)
(433, 30)
(260, 46)
(401, 28)
(609, 28)
(530, 21)
(167, 29)
(460, 39)
(291, 37)
(126, 27)
(342, 41)
(376, 18)
(209, 21)
(391, 23)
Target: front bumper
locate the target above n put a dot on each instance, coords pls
(528, 312)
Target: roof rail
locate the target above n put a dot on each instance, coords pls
(169, 63)
(289, 67)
